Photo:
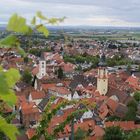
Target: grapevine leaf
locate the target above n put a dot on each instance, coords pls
(33, 22)
(9, 41)
(42, 29)
(18, 24)
(8, 129)
(7, 82)
(21, 51)
(12, 76)
(53, 21)
(39, 15)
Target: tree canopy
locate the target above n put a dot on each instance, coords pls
(114, 133)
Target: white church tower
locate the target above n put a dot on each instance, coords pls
(42, 68)
(102, 79)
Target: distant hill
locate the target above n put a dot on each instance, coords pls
(90, 28)
(2, 27)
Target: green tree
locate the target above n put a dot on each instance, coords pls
(132, 109)
(113, 118)
(132, 104)
(35, 52)
(7, 95)
(114, 133)
(129, 67)
(26, 59)
(130, 115)
(27, 77)
(60, 73)
(80, 134)
(137, 96)
(134, 135)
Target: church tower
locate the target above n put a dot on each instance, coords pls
(42, 68)
(102, 79)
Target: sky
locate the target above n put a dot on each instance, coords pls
(124, 13)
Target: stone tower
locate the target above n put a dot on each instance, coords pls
(102, 79)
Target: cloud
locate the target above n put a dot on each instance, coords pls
(78, 12)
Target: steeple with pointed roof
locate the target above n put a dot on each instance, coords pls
(102, 62)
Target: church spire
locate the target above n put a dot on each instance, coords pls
(102, 62)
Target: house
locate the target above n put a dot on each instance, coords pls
(58, 90)
(36, 96)
(68, 69)
(29, 114)
(103, 111)
(133, 82)
(117, 109)
(87, 115)
(81, 80)
(95, 132)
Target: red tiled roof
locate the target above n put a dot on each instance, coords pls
(60, 90)
(103, 111)
(99, 132)
(125, 125)
(37, 95)
(134, 82)
(35, 70)
(83, 125)
(29, 108)
(67, 67)
(47, 86)
(30, 133)
(112, 104)
(20, 100)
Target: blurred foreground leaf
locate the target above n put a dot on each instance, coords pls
(18, 24)
(8, 129)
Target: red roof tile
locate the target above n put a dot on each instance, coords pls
(37, 95)
(112, 104)
(125, 125)
(30, 133)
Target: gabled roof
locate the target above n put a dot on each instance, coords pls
(60, 90)
(37, 95)
(134, 82)
(83, 80)
(29, 108)
(112, 104)
(103, 111)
